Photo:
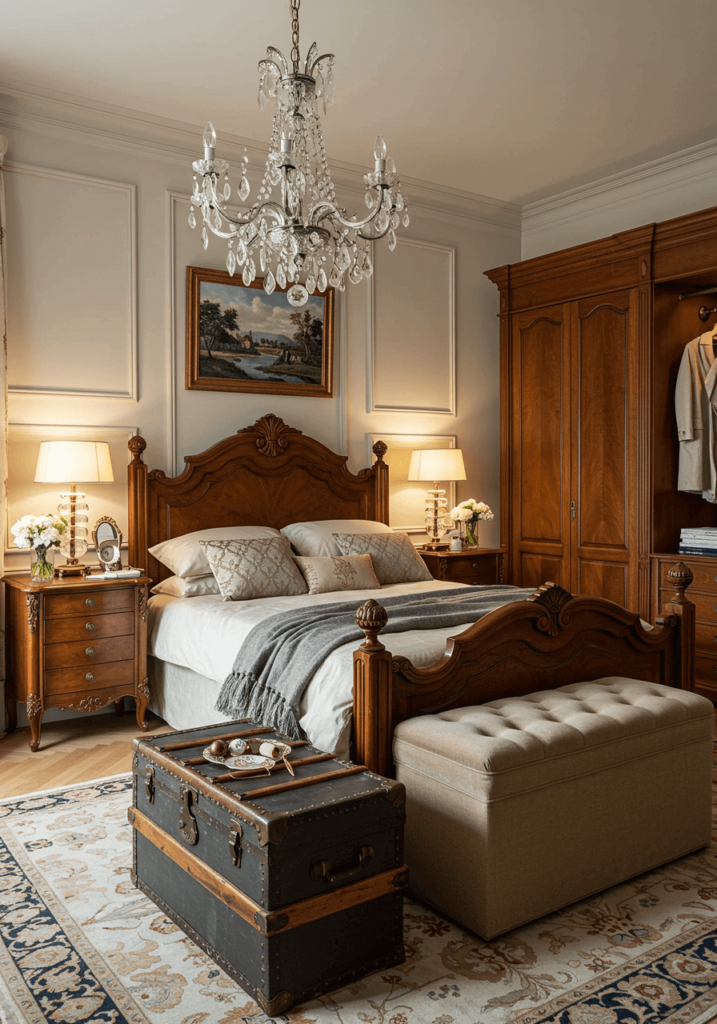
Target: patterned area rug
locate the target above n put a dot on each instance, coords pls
(78, 943)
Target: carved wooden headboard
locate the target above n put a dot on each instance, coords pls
(269, 474)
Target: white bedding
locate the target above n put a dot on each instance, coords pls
(204, 634)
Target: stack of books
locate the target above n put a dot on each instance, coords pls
(699, 541)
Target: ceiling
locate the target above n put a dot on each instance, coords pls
(513, 99)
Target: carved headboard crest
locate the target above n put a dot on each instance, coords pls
(553, 599)
(272, 430)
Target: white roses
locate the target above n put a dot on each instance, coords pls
(39, 531)
(471, 511)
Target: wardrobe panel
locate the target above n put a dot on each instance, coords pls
(538, 569)
(601, 351)
(540, 461)
(606, 579)
(539, 363)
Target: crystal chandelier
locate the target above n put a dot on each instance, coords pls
(300, 238)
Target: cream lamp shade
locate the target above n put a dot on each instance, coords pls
(62, 462)
(437, 464)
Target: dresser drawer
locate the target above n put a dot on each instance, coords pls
(705, 604)
(458, 568)
(97, 677)
(88, 627)
(89, 652)
(706, 638)
(94, 602)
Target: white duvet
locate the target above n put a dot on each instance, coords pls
(204, 634)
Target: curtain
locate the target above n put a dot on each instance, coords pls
(3, 417)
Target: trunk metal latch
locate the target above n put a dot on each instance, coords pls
(235, 843)
(149, 782)
(187, 822)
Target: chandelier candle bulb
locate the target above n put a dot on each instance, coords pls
(291, 233)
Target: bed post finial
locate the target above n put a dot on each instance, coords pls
(379, 449)
(136, 445)
(373, 692)
(680, 576)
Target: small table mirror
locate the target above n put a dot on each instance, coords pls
(108, 538)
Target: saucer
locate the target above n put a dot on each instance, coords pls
(249, 762)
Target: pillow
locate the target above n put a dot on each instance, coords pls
(262, 567)
(194, 586)
(336, 572)
(314, 540)
(395, 560)
(184, 556)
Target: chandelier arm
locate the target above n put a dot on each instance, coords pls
(269, 206)
(324, 56)
(309, 57)
(272, 51)
(323, 210)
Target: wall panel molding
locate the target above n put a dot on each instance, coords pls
(374, 403)
(129, 191)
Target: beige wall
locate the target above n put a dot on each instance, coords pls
(98, 243)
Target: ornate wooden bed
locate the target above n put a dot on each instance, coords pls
(271, 474)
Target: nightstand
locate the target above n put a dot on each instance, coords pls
(75, 643)
(476, 566)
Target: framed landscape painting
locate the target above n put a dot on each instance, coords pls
(241, 339)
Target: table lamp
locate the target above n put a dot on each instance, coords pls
(436, 464)
(73, 462)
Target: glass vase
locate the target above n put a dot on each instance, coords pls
(41, 569)
(471, 539)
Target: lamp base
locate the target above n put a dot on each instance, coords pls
(436, 545)
(73, 570)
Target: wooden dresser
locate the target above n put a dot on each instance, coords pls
(475, 566)
(75, 643)
(703, 592)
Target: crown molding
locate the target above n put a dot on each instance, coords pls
(46, 112)
(653, 178)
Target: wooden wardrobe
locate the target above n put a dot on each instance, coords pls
(591, 342)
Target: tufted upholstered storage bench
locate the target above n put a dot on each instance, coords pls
(518, 807)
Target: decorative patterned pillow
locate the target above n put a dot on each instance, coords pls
(316, 539)
(337, 572)
(184, 556)
(254, 568)
(395, 559)
(193, 586)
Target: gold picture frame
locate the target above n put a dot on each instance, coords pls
(230, 346)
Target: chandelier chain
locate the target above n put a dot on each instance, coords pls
(295, 34)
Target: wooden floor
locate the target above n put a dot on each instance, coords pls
(77, 750)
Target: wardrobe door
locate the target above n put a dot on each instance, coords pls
(540, 447)
(604, 452)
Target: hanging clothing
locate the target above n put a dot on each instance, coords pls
(696, 411)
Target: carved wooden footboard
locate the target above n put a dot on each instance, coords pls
(548, 641)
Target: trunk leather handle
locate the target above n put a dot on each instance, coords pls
(323, 869)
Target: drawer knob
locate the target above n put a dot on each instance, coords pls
(475, 565)
(90, 626)
(90, 677)
(714, 668)
(90, 652)
(90, 602)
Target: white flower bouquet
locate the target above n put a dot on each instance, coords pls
(40, 533)
(469, 513)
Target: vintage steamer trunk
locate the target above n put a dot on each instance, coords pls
(292, 884)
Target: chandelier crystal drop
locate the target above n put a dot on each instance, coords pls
(295, 234)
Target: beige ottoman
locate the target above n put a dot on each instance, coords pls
(523, 805)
